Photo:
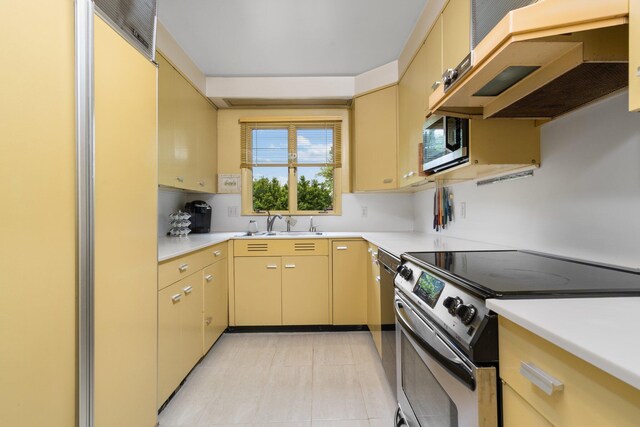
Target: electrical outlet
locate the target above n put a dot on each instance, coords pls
(463, 209)
(365, 212)
(232, 211)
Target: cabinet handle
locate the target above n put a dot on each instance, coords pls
(435, 84)
(208, 277)
(183, 268)
(410, 174)
(272, 266)
(201, 183)
(540, 378)
(387, 180)
(208, 321)
(342, 248)
(370, 250)
(176, 298)
(374, 254)
(180, 178)
(378, 279)
(289, 266)
(217, 253)
(187, 290)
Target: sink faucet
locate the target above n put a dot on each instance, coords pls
(312, 228)
(290, 222)
(271, 220)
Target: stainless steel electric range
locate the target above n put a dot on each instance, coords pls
(447, 339)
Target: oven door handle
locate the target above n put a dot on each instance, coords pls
(455, 367)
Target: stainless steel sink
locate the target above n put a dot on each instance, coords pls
(282, 233)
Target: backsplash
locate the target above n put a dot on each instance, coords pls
(584, 201)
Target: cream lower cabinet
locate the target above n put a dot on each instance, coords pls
(305, 290)
(258, 291)
(215, 303)
(374, 321)
(349, 270)
(588, 396)
(179, 332)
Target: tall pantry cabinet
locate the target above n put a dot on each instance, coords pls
(38, 249)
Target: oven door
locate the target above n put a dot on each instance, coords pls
(437, 385)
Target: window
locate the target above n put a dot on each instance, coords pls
(291, 166)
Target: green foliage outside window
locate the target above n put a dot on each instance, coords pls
(315, 194)
(269, 195)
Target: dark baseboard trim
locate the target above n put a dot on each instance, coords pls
(295, 328)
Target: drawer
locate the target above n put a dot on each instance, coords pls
(589, 396)
(281, 247)
(178, 268)
(215, 253)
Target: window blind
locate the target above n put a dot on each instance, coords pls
(304, 142)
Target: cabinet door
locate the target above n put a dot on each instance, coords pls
(168, 172)
(305, 290)
(376, 140)
(191, 322)
(170, 301)
(412, 92)
(373, 298)
(433, 61)
(215, 310)
(258, 293)
(206, 166)
(456, 33)
(516, 412)
(349, 282)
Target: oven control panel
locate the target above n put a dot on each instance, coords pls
(455, 309)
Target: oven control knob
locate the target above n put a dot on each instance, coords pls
(452, 304)
(466, 313)
(406, 273)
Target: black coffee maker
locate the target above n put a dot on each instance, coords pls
(200, 216)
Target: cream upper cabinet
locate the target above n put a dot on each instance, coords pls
(187, 133)
(376, 140)
(412, 92)
(305, 290)
(350, 263)
(456, 33)
(433, 62)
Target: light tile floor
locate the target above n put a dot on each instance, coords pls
(285, 379)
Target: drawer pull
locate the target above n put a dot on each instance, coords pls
(378, 279)
(342, 248)
(176, 298)
(272, 266)
(289, 266)
(180, 179)
(183, 268)
(208, 321)
(208, 277)
(217, 253)
(187, 290)
(540, 378)
(201, 183)
(370, 250)
(375, 254)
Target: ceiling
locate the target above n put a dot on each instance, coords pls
(262, 38)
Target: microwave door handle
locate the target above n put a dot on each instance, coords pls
(455, 367)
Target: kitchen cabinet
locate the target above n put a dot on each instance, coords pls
(517, 412)
(281, 282)
(216, 303)
(376, 140)
(634, 55)
(412, 92)
(258, 291)
(588, 395)
(374, 321)
(187, 135)
(305, 290)
(192, 312)
(456, 33)
(433, 67)
(349, 271)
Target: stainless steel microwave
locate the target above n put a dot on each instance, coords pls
(445, 143)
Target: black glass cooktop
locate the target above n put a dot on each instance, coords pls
(515, 274)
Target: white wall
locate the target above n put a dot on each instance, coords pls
(385, 212)
(584, 201)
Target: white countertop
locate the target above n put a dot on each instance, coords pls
(393, 242)
(601, 331)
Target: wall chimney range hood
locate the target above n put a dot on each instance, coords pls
(544, 60)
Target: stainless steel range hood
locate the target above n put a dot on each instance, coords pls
(544, 60)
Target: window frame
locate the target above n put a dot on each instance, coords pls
(292, 124)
